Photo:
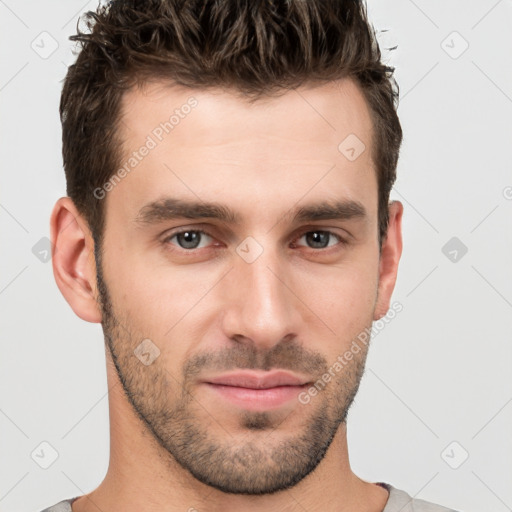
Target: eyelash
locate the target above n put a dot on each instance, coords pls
(341, 241)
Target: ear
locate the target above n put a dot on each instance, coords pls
(389, 258)
(73, 261)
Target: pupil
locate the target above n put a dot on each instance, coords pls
(190, 238)
(319, 238)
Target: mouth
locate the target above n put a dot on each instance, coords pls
(257, 391)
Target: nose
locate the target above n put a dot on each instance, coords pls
(261, 306)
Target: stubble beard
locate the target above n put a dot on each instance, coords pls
(254, 466)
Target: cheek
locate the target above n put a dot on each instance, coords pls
(165, 292)
(159, 300)
(343, 298)
(163, 309)
(185, 303)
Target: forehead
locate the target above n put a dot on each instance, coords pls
(321, 113)
(213, 144)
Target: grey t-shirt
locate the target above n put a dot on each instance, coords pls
(398, 501)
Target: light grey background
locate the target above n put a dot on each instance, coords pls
(439, 373)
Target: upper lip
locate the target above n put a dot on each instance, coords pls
(258, 380)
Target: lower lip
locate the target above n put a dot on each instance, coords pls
(257, 399)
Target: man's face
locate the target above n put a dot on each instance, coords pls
(266, 291)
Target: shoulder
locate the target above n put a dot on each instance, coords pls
(401, 501)
(62, 506)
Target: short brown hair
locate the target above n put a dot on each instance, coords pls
(256, 47)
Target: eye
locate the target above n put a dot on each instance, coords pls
(189, 239)
(320, 239)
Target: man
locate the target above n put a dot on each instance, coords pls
(228, 167)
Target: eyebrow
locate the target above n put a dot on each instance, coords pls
(170, 208)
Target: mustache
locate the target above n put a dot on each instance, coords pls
(284, 356)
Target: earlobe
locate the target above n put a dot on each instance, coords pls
(73, 261)
(389, 259)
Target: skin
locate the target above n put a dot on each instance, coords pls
(175, 443)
